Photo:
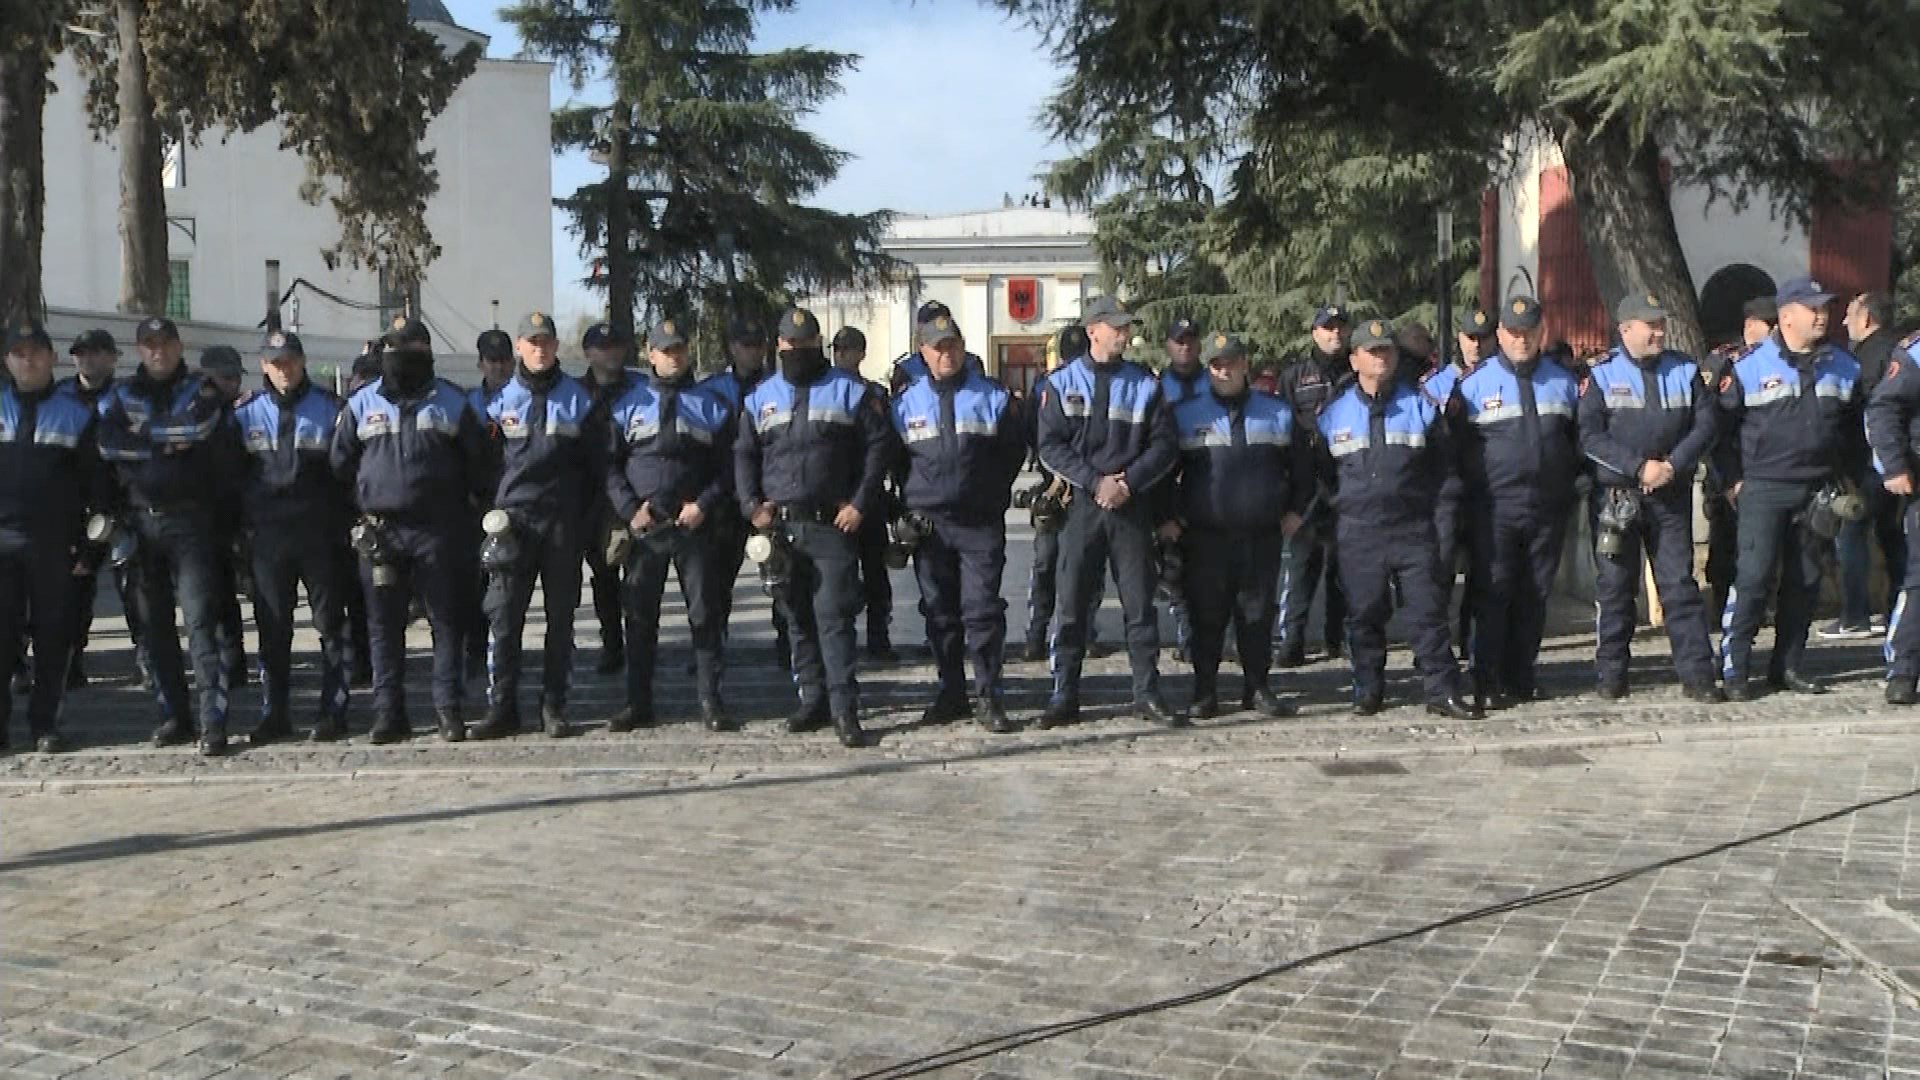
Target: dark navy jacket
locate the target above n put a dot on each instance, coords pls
(1135, 438)
(1511, 459)
(90, 398)
(1384, 459)
(731, 388)
(172, 445)
(910, 368)
(1893, 411)
(1631, 414)
(965, 444)
(290, 481)
(1438, 386)
(548, 460)
(1178, 390)
(1309, 383)
(1240, 469)
(814, 446)
(1790, 419)
(423, 458)
(683, 459)
(49, 469)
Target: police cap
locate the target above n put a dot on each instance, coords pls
(1643, 307)
(1804, 291)
(537, 324)
(156, 328)
(1521, 313)
(1105, 309)
(27, 330)
(799, 325)
(746, 332)
(929, 311)
(849, 337)
(222, 360)
(938, 329)
(1183, 329)
(278, 345)
(666, 334)
(95, 340)
(1223, 347)
(1476, 323)
(1762, 308)
(1328, 315)
(1372, 334)
(602, 335)
(405, 333)
(494, 345)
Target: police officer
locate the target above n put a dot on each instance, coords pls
(1723, 521)
(221, 366)
(1236, 498)
(1646, 421)
(1792, 408)
(1183, 379)
(365, 369)
(911, 367)
(1105, 428)
(1475, 339)
(496, 356)
(49, 474)
(965, 444)
(1306, 386)
(1520, 457)
(811, 452)
(417, 457)
(176, 459)
(295, 514)
(1043, 570)
(668, 477)
(849, 352)
(1383, 452)
(94, 355)
(546, 489)
(746, 370)
(609, 376)
(1893, 434)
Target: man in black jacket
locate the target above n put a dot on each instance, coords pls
(1870, 327)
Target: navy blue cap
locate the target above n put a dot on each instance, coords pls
(27, 330)
(222, 360)
(1332, 313)
(1521, 313)
(156, 327)
(849, 337)
(95, 340)
(1762, 308)
(279, 344)
(799, 325)
(493, 345)
(746, 332)
(1182, 329)
(1802, 290)
(602, 335)
(929, 311)
(407, 333)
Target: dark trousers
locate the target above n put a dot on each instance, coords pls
(959, 568)
(1043, 579)
(1517, 551)
(820, 603)
(37, 578)
(550, 551)
(177, 561)
(1771, 542)
(1374, 555)
(1092, 540)
(1723, 547)
(1664, 530)
(86, 594)
(1231, 578)
(693, 556)
(1881, 527)
(876, 586)
(476, 628)
(437, 564)
(233, 641)
(730, 534)
(347, 572)
(1304, 573)
(286, 557)
(1903, 626)
(1453, 534)
(605, 580)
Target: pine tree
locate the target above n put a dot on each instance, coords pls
(701, 216)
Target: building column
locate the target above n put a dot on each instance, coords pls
(975, 315)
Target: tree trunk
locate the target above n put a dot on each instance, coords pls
(143, 196)
(1626, 219)
(619, 223)
(23, 180)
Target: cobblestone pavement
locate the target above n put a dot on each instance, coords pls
(678, 904)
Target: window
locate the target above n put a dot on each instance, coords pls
(179, 289)
(173, 162)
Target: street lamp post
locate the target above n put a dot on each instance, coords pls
(1443, 314)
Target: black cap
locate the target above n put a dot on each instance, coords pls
(1644, 307)
(95, 340)
(222, 360)
(799, 325)
(1182, 329)
(665, 335)
(1521, 313)
(27, 330)
(494, 345)
(1328, 315)
(1073, 342)
(1763, 308)
(156, 328)
(745, 332)
(929, 311)
(1105, 309)
(1476, 323)
(938, 329)
(602, 335)
(1372, 334)
(537, 324)
(1220, 346)
(849, 337)
(366, 366)
(405, 333)
(278, 345)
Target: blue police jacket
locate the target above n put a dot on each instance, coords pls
(1509, 455)
(964, 443)
(1239, 467)
(49, 468)
(813, 446)
(288, 438)
(480, 399)
(548, 457)
(668, 458)
(89, 395)
(732, 388)
(1632, 413)
(911, 367)
(1438, 385)
(421, 457)
(1794, 419)
(172, 444)
(1178, 389)
(1893, 411)
(1134, 438)
(1385, 458)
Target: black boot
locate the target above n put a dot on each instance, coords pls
(811, 716)
(1205, 705)
(1900, 692)
(1267, 703)
(172, 733)
(1058, 713)
(387, 728)
(328, 729)
(213, 741)
(452, 728)
(713, 715)
(502, 721)
(553, 720)
(1036, 651)
(613, 658)
(630, 718)
(946, 708)
(993, 716)
(847, 726)
(272, 728)
(1154, 710)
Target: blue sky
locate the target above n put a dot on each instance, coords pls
(940, 114)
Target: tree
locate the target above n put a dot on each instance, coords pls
(30, 35)
(701, 216)
(1748, 97)
(352, 84)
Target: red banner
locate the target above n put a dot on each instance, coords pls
(1023, 299)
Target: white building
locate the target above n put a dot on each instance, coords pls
(233, 204)
(1012, 278)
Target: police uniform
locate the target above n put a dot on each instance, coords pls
(1450, 516)
(86, 586)
(1634, 411)
(811, 440)
(175, 454)
(1382, 459)
(417, 458)
(667, 447)
(295, 513)
(1178, 387)
(1239, 476)
(1520, 459)
(603, 576)
(1043, 569)
(1306, 386)
(876, 583)
(1099, 420)
(49, 474)
(491, 345)
(1893, 435)
(366, 368)
(1723, 520)
(964, 446)
(730, 531)
(911, 367)
(547, 467)
(224, 360)
(1792, 422)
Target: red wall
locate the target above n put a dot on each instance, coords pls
(1569, 295)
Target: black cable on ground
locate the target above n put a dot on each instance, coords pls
(1012, 1040)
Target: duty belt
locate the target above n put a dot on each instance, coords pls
(804, 514)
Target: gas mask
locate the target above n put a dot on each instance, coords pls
(1173, 568)
(1831, 507)
(108, 539)
(371, 540)
(1616, 516)
(904, 535)
(769, 551)
(499, 547)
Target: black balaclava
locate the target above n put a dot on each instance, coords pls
(803, 364)
(409, 370)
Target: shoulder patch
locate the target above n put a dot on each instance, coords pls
(1726, 383)
(1910, 340)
